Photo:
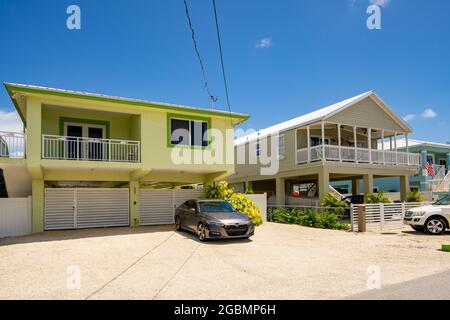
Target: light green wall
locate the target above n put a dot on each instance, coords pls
(120, 126)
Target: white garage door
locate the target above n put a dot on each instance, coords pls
(86, 208)
(157, 206)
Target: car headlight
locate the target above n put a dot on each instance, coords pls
(419, 213)
(216, 224)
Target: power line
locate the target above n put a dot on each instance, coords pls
(205, 82)
(221, 57)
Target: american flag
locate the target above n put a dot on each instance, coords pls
(427, 166)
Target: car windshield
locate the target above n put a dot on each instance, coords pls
(443, 202)
(215, 206)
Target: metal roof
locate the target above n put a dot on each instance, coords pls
(72, 93)
(316, 116)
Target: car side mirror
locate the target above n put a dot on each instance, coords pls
(193, 210)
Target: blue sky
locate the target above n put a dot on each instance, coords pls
(283, 58)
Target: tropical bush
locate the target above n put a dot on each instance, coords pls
(377, 198)
(414, 196)
(336, 206)
(312, 218)
(238, 200)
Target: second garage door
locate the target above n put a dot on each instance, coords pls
(158, 205)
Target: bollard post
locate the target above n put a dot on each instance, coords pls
(362, 218)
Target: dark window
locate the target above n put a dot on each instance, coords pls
(185, 132)
(179, 132)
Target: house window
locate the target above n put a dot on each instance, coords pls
(281, 147)
(316, 141)
(258, 149)
(188, 132)
(430, 158)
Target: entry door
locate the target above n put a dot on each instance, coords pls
(74, 147)
(85, 149)
(96, 148)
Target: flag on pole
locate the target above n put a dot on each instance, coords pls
(428, 166)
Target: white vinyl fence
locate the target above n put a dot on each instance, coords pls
(15, 217)
(260, 201)
(383, 216)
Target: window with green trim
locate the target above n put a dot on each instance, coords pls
(188, 132)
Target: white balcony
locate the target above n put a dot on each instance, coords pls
(356, 155)
(12, 145)
(89, 149)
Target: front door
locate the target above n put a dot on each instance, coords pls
(95, 145)
(84, 141)
(74, 146)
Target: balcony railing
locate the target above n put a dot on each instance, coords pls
(356, 155)
(90, 149)
(12, 145)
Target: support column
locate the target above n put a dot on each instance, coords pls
(407, 148)
(404, 188)
(339, 142)
(324, 158)
(37, 206)
(323, 183)
(280, 191)
(356, 187)
(382, 145)
(448, 162)
(308, 142)
(135, 214)
(248, 185)
(369, 143)
(368, 183)
(355, 141)
(396, 150)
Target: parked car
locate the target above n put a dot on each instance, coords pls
(433, 219)
(213, 219)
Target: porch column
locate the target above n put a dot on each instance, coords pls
(355, 138)
(323, 183)
(135, 214)
(308, 142)
(382, 144)
(407, 149)
(404, 188)
(390, 143)
(280, 191)
(395, 146)
(339, 142)
(37, 206)
(356, 186)
(368, 183)
(369, 143)
(448, 162)
(324, 158)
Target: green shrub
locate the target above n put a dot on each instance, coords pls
(414, 196)
(377, 198)
(336, 206)
(238, 200)
(307, 217)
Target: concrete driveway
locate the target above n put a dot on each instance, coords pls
(279, 262)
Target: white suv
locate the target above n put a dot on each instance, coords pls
(433, 219)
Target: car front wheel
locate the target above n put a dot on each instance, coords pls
(201, 232)
(435, 226)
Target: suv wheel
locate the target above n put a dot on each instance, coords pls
(177, 224)
(201, 232)
(435, 226)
